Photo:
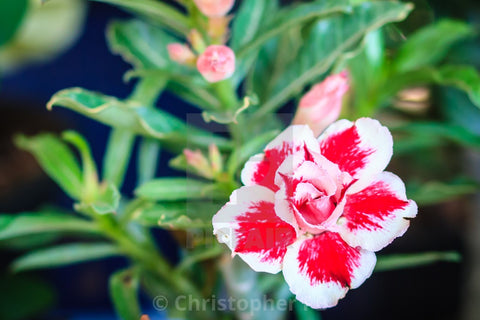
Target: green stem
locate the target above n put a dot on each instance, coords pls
(228, 97)
(150, 259)
(226, 94)
(148, 90)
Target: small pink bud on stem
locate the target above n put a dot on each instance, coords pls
(322, 104)
(216, 63)
(181, 53)
(214, 8)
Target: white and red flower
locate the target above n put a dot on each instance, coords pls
(318, 209)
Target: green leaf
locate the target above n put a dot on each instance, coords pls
(430, 44)
(148, 157)
(436, 131)
(433, 192)
(328, 40)
(27, 223)
(31, 241)
(157, 12)
(106, 200)
(465, 78)
(277, 23)
(250, 17)
(63, 255)
(136, 118)
(19, 288)
(124, 294)
(11, 15)
(289, 17)
(198, 255)
(56, 159)
(89, 168)
(117, 156)
(141, 44)
(170, 189)
(403, 261)
(304, 312)
(240, 155)
(178, 215)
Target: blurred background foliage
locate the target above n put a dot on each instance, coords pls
(420, 72)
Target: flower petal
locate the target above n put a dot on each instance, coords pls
(249, 226)
(362, 149)
(375, 216)
(261, 168)
(320, 270)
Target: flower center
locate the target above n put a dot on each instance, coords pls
(315, 211)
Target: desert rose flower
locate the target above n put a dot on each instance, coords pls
(180, 53)
(318, 209)
(216, 63)
(321, 106)
(214, 8)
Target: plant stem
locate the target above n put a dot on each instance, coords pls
(150, 259)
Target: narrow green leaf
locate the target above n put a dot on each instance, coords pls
(275, 23)
(31, 241)
(11, 16)
(141, 44)
(250, 17)
(157, 12)
(170, 189)
(240, 155)
(136, 118)
(304, 312)
(329, 39)
(124, 294)
(430, 44)
(292, 16)
(148, 157)
(89, 168)
(28, 223)
(18, 288)
(438, 131)
(106, 200)
(465, 78)
(199, 255)
(117, 156)
(403, 261)
(63, 255)
(178, 215)
(56, 159)
(433, 192)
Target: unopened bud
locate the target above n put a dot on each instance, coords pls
(196, 40)
(321, 106)
(216, 63)
(218, 28)
(214, 8)
(180, 53)
(215, 158)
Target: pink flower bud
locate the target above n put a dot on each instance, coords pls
(180, 53)
(215, 158)
(321, 106)
(214, 8)
(218, 28)
(216, 63)
(197, 161)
